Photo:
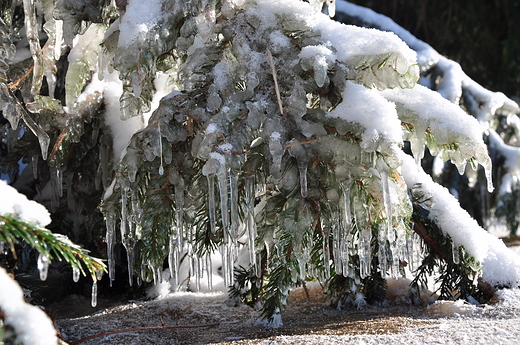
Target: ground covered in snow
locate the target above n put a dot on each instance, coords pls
(307, 320)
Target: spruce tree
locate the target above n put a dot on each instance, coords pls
(259, 129)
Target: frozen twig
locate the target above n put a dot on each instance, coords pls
(277, 89)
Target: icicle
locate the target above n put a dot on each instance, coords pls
(227, 265)
(43, 266)
(161, 167)
(43, 138)
(224, 202)
(110, 236)
(59, 181)
(35, 159)
(173, 261)
(75, 274)
(277, 150)
(302, 168)
(342, 235)
(331, 7)
(179, 205)
(209, 270)
(55, 182)
(227, 246)
(93, 300)
(386, 231)
(211, 202)
(250, 195)
(58, 39)
(326, 252)
(233, 206)
(382, 256)
(394, 268)
(456, 254)
(303, 257)
(364, 240)
(32, 33)
(336, 250)
(414, 250)
(410, 247)
(197, 272)
(417, 144)
(127, 235)
(157, 276)
(364, 252)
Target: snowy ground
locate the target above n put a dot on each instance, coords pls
(306, 321)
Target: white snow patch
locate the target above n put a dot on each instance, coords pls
(31, 324)
(122, 130)
(369, 109)
(138, 19)
(17, 204)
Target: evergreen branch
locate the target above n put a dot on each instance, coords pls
(45, 242)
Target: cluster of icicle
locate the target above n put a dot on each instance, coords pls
(367, 113)
(371, 159)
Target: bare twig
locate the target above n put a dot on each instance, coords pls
(140, 329)
(277, 89)
(302, 143)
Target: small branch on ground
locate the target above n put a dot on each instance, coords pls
(141, 329)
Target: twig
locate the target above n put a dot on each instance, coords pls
(302, 143)
(140, 329)
(276, 88)
(18, 81)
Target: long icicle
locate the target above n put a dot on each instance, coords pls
(111, 229)
(250, 218)
(211, 202)
(31, 30)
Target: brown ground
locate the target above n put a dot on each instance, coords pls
(230, 324)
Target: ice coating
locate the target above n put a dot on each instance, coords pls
(446, 122)
(240, 112)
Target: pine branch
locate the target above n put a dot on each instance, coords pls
(45, 242)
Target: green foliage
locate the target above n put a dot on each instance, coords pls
(457, 270)
(242, 156)
(53, 246)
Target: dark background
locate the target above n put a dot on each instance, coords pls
(482, 35)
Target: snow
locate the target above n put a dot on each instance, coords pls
(17, 204)
(356, 47)
(440, 116)
(122, 130)
(367, 108)
(500, 266)
(138, 20)
(306, 321)
(31, 324)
